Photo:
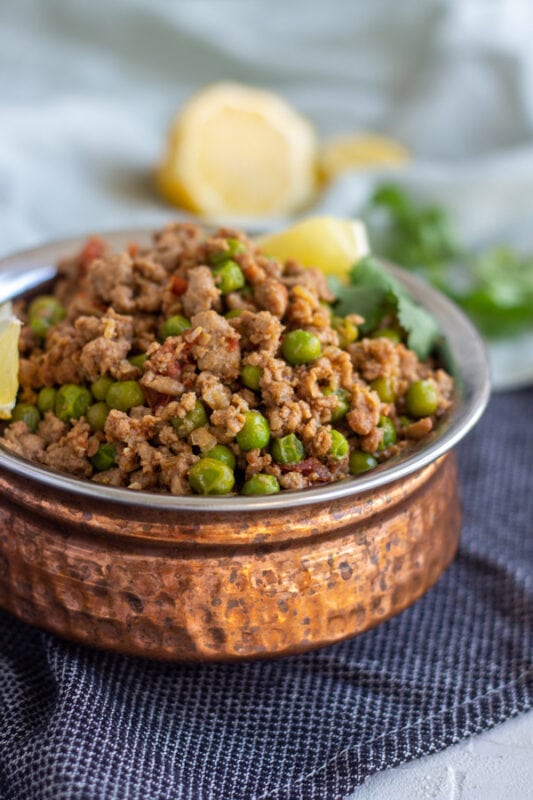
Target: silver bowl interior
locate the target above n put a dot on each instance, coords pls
(462, 347)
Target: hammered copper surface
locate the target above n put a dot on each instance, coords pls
(196, 586)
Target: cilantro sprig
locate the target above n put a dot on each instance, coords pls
(374, 293)
(500, 294)
(494, 288)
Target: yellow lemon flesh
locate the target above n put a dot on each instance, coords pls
(333, 245)
(9, 360)
(238, 151)
(359, 151)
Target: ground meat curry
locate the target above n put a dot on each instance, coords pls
(199, 365)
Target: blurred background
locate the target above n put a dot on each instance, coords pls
(88, 92)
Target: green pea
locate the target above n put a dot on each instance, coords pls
(261, 483)
(287, 450)
(195, 418)
(221, 453)
(339, 446)
(137, 361)
(101, 387)
(211, 476)
(46, 399)
(104, 458)
(301, 347)
(45, 312)
(72, 402)
(255, 432)
(97, 416)
(25, 412)
(343, 403)
(361, 462)
(251, 376)
(124, 395)
(422, 399)
(347, 331)
(235, 246)
(389, 432)
(235, 312)
(387, 333)
(229, 277)
(385, 389)
(174, 326)
(405, 421)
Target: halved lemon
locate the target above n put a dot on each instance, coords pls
(333, 245)
(9, 360)
(359, 151)
(238, 151)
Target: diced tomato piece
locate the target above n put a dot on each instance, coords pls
(309, 466)
(156, 399)
(178, 286)
(94, 248)
(174, 369)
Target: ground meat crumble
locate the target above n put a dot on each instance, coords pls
(116, 305)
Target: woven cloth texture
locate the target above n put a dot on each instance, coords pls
(77, 723)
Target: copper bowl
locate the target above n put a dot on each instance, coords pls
(220, 579)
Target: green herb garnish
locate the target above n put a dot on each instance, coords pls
(374, 293)
(500, 294)
(495, 288)
(411, 235)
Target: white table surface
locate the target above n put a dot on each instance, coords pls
(495, 765)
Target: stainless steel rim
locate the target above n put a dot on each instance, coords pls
(469, 366)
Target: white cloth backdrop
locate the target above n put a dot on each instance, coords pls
(87, 90)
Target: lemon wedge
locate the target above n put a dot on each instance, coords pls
(238, 151)
(333, 245)
(359, 151)
(9, 360)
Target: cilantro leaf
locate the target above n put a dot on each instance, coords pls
(421, 328)
(409, 234)
(495, 288)
(373, 292)
(499, 297)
